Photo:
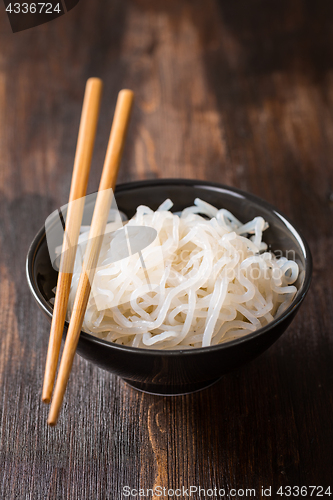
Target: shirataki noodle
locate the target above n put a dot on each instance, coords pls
(216, 281)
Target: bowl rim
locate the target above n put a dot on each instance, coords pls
(40, 236)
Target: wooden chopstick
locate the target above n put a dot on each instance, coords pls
(98, 224)
(84, 150)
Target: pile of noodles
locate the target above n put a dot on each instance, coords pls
(217, 281)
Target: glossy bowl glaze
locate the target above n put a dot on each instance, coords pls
(180, 372)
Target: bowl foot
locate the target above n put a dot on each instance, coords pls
(170, 390)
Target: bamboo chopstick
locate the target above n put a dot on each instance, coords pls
(99, 220)
(84, 150)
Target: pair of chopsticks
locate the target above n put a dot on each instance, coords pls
(83, 155)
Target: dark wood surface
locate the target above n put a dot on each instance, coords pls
(236, 92)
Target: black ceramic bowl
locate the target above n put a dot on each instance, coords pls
(179, 372)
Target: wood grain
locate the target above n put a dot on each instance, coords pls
(237, 92)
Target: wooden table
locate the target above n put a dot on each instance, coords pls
(236, 92)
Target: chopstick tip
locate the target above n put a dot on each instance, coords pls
(95, 84)
(53, 416)
(94, 79)
(127, 92)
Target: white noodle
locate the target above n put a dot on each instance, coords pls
(218, 282)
